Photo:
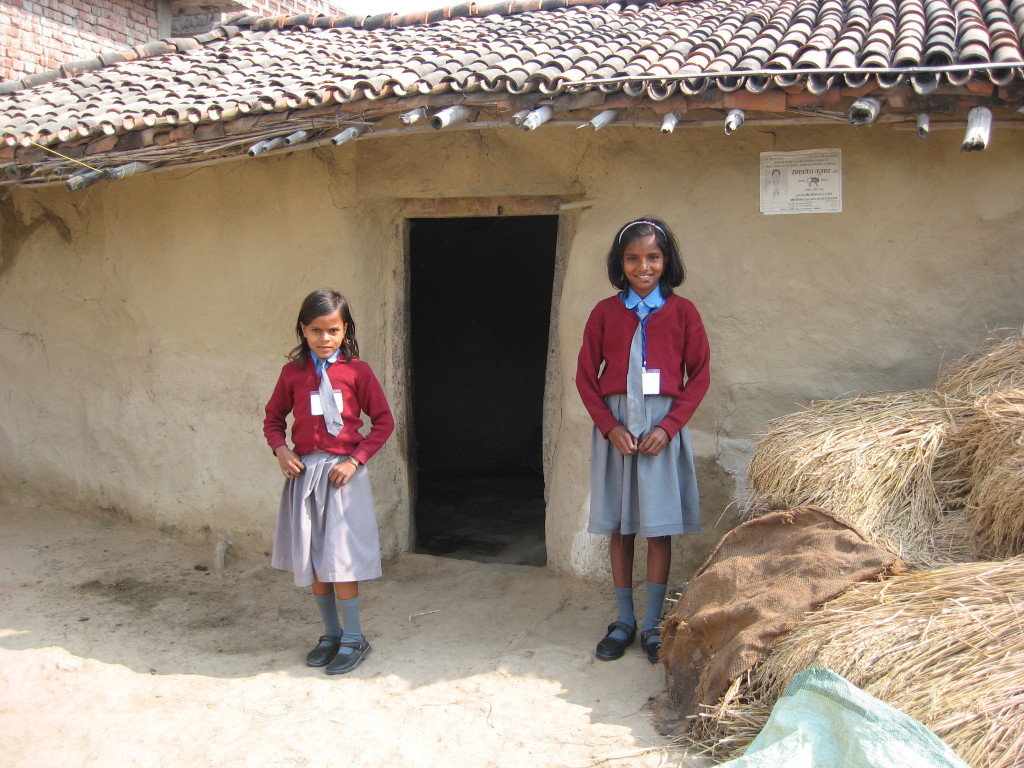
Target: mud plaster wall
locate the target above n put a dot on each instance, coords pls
(142, 323)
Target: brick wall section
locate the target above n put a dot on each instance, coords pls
(38, 35)
(44, 34)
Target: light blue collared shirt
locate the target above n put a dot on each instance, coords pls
(321, 363)
(654, 300)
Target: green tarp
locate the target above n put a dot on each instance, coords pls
(822, 721)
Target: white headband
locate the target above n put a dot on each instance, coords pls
(640, 221)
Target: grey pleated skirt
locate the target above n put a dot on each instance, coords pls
(649, 495)
(327, 530)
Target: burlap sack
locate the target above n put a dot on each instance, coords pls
(761, 578)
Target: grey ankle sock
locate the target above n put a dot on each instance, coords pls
(655, 599)
(329, 613)
(624, 608)
(350, 616)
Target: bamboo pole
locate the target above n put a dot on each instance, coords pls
(801, 72)
(350, 133)
(537, 118)
(979, 130)
(670, 121)
(410, 117)
(734, 121)
(865, 111)
(449, 116)
(602, 119)
(924, 126)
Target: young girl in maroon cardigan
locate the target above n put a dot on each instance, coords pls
(327, 527)
(654, 352)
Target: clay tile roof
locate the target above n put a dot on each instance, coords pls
(244, 80)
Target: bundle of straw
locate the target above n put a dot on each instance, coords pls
(945, 647)
(989, 451)
(997, 364)
(867, 460)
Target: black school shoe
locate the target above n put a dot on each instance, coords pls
(325, 650)
(650, 641)
(346, 662)
(611, 648)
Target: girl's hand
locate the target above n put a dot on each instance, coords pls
(342, 472)
(622, 439)
(654, 441)
(289, 461)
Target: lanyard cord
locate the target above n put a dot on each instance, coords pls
(643, 338)
(643, 330)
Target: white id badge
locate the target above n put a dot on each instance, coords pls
(316, 408)
(652, 381)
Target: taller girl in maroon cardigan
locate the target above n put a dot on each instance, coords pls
(327, 527)
(642, 372)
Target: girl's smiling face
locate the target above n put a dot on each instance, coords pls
(643, 262)
(325, 334)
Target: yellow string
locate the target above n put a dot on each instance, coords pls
(58, 154)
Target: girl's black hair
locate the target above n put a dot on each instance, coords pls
(317, 304)
(673, 274)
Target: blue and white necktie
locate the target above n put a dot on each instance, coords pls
(327, 402)
(636, 412)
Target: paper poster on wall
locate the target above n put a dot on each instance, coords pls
(808, 181)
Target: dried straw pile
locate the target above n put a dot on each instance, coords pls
(946, 647)
(997, 364)
(988, 456)
(982, 466)
(869, 461)
(937, 477)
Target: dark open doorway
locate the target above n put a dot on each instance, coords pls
(480, 308)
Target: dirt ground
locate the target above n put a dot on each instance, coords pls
(116, 650)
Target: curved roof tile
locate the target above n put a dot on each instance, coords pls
(252, 66)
